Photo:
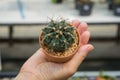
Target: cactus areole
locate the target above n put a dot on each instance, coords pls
(59, 36)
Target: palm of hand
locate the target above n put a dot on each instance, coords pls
(38, 66)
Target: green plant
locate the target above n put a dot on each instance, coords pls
(56, 1)
(105, 77)
(58, 36)
(116, 1)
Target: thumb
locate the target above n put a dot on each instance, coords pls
(80, 56)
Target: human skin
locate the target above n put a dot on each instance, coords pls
(38, 68)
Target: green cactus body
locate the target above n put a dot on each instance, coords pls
(58, 36)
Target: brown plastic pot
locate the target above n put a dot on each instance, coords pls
(55, 58)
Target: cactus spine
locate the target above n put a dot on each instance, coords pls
(58, 36)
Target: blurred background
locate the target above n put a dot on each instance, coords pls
(22, 20)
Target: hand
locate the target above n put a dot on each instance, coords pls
(38, 68)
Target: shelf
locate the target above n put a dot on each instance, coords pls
(37, 12)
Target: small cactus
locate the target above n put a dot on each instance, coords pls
(58, 36)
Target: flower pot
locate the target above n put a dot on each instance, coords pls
(116, 9)
(76, 4)
(64, 55)
(110, 4)
(85, 9)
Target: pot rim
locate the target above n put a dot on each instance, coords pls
(60, 57)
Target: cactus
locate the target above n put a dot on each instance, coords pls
(58, 36)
